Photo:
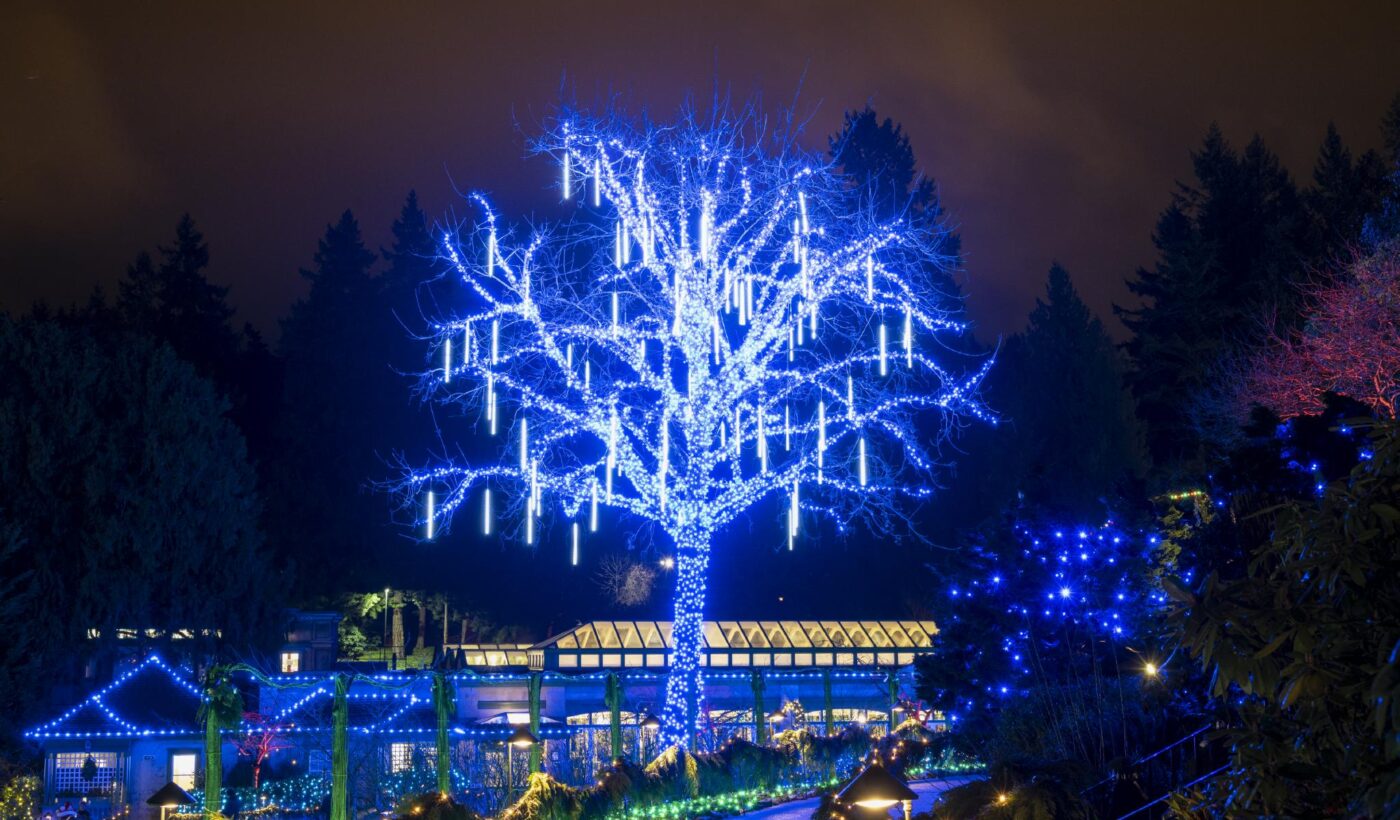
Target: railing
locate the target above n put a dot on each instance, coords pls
(1158, 775)
(1201, 779)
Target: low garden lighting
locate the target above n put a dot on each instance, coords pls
(876, 788)
(170, 796)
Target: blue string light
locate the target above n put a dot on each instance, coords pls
(96, 701)
(712, 347)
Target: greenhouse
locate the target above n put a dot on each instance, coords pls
(588, 696)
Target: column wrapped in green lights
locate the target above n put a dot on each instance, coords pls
(223, 708)
(760, 717)
(340, 754)
(613, 697)
(828, 713)
(537, 750)
(444, 701)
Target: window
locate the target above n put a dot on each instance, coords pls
(68, 773)
(400, 757)
(291, 663)
(406, 756)
(183, 766)
(318, 762)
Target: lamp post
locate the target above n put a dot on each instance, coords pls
(384, 634)
(519, 739)
(876, 788)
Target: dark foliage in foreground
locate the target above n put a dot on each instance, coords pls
(1305, 646)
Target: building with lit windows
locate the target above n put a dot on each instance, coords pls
(143, 731)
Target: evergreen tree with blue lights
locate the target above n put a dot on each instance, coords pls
(722, 325)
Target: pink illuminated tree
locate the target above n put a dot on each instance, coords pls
(261, 737)
(1349, 344)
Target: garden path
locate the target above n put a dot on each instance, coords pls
(927, 791)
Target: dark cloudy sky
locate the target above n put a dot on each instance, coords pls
(1056, 129)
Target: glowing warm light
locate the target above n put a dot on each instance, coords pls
(1150, 669)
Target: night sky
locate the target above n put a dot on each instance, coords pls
(1056, 132)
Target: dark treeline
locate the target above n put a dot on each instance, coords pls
(1263, 598)
(144, 435)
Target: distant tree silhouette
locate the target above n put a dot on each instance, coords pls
(1229, 246)
(1344, 193)
(132, 492)
(172, 301)
(1071, 438)
(1390, 133)
(322, 505)
(877, 158)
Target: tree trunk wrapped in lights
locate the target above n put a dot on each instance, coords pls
(711, 331)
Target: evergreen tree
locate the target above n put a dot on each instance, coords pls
(1072, 438)
(1344, 194)
(133, 492)
(1390, 133)
(173, 302)
(333, 355)
(879, 162)
(1230, 249)
(411, 269)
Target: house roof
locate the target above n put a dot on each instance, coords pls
(152, 699)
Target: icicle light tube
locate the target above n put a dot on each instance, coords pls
(696, 319)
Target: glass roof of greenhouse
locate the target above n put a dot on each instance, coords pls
(742, 635)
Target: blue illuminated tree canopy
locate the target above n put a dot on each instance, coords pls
(720, 324)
